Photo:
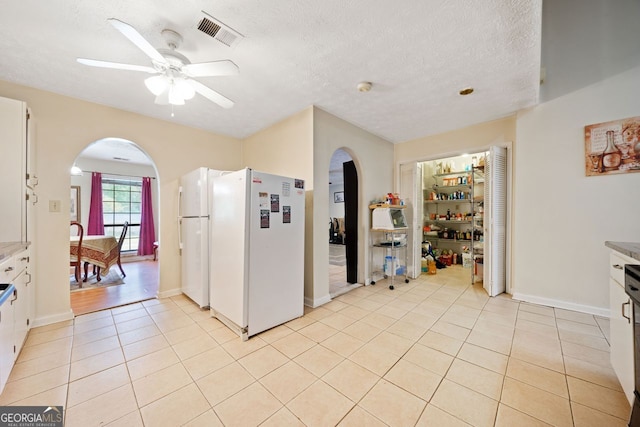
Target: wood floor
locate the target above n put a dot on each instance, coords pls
(140, 284)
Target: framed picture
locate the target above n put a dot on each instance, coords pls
(338, 197)
(75, 203)
(612, 147)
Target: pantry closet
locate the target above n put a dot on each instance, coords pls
(460, 213)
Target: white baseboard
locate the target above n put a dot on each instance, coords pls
(169, 293)
(313, 303)
(597, 311)
(54, 318)
(135, 258)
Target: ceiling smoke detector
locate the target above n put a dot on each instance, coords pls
(364, 86)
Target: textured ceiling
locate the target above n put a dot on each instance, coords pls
(296, 53)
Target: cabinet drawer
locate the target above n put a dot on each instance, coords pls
(616, 266)
(7, 270)
(21, 260)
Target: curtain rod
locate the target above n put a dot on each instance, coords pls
(119, 174)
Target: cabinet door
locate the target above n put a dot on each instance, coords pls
(12, 147)
(6, 342)
(621, 329)
(21, 311)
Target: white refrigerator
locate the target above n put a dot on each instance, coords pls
(257, 261)
(194, 206)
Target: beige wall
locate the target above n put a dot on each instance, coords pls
(302, 146)
(286, 148)
(563, 217)
(373, 157)
(63, 128)
(476, 137)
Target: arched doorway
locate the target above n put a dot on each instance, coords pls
(120, 167)
(343, 223)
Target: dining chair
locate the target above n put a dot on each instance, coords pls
(96, 269)
(125, 226)
(75, 260)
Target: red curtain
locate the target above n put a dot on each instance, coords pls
(147, 229)
(96, 218)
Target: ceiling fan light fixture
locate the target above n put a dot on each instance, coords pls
(175, 97)
(156, 84)
(75, 170)
(184, 89)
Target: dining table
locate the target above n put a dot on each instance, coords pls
(99, 250)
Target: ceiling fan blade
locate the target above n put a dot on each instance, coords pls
(209, 69)
(134, 36)
(116, 65)
(211, 94)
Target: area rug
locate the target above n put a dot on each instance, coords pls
(113, 278)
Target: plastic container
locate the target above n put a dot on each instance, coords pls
(389, 263)
(432, 267)
(466, 260)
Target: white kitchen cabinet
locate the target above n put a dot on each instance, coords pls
(15, 311)
(6, 341)
(22, 303)
(621, 324)
(7, 268)
(17, 171)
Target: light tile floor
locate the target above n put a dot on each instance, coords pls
(434, 352)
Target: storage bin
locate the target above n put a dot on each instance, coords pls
(445, 259)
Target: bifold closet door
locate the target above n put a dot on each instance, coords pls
(411, 193)
(495, 219)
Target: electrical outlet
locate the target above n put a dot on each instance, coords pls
(54, 205)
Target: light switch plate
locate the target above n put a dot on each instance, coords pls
(54, 205)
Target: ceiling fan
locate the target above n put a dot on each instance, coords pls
(173, 82)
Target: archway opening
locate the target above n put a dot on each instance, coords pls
(343, 224)
(114, 196)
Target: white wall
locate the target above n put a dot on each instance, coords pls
(585, 41)
(562, 217)
(373, 157)
(336, 210)
(107, 167)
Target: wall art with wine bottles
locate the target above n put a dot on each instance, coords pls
(612, 147)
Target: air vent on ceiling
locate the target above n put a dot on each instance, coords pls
(122, 159)
(216, 29)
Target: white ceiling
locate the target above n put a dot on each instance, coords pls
(117, 150)
(296, 53)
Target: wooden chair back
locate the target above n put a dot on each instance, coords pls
(76, 260)
(125, 226)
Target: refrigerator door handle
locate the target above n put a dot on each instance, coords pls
(180, 244)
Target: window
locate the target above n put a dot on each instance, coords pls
(121, 201)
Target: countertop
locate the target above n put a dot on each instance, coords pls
(630, 249)
(8, 249)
